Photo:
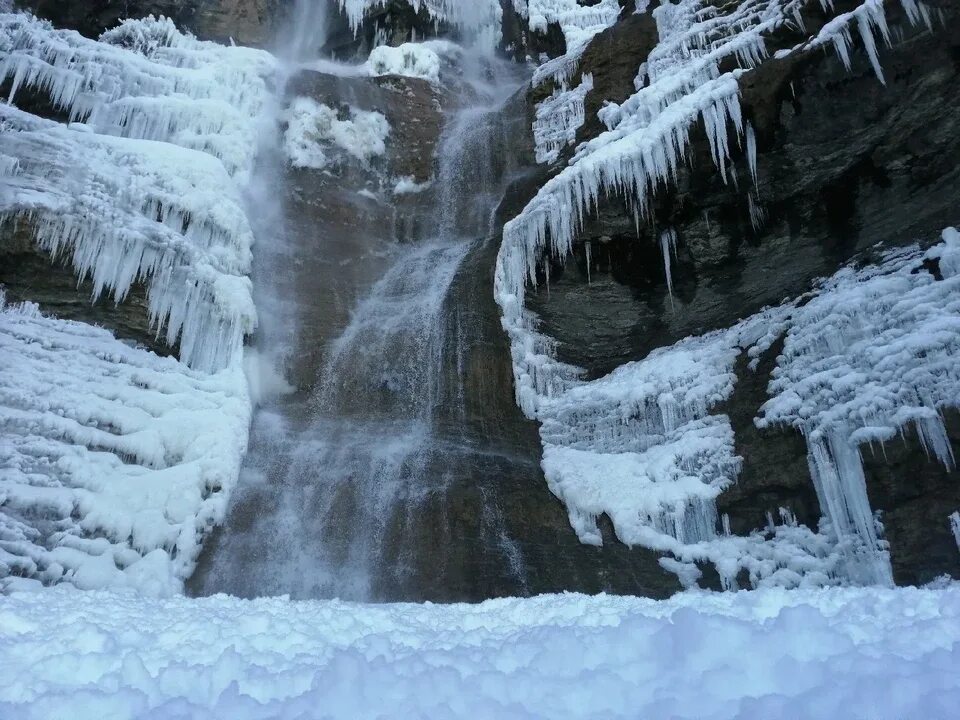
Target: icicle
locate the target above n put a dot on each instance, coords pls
(752, 152)
(668, 246)
(587, 248)
(955, 527)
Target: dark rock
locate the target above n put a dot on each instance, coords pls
(248, 22)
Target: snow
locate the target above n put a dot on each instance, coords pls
(113, 461)
(867, 653)
(410, 59)
(316, 136)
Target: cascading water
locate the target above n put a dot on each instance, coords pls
(336, 477)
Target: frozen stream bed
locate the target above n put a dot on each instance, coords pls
(833, 653)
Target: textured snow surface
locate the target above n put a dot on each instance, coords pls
(825, 654)
(113, 461)
(316, 136)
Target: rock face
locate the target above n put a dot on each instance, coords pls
(844, 163)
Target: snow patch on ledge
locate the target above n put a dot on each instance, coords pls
(316, 135)
(114, 462)
(851, 653)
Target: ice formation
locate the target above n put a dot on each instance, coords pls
(866, 355)
(143, 183)
(558, 118)
(872, 353)
(641, 444)
(579, 24)
(410, 59)
(144, 80)
(113, 462)
(861, 653)
(316, 136)
(477, 19)
(954, 520)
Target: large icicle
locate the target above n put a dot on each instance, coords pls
(874, 352)
(113, 462)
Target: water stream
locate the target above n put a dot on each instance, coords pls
(338, 474)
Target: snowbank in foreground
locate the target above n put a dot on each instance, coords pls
(838, 653)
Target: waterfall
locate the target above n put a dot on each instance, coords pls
(339, 470)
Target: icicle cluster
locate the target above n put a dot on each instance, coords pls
(679, 84)
(143, 183)
(145, 80)
(113, 462)
(579, 24)
(558, 118)
(478, 19)
(872, 354)
(641, 444)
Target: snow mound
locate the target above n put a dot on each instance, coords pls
(113, 462)
(869, 653)
(316, 135)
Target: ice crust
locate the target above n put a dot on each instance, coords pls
(852, 653)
